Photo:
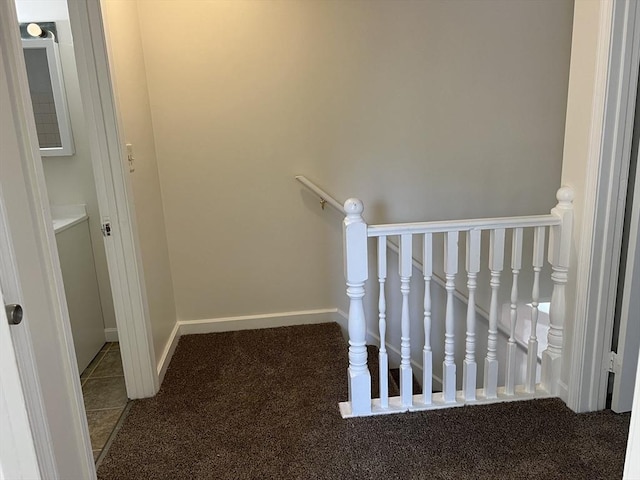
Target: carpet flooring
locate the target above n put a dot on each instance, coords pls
(263, 404)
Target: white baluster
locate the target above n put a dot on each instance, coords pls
(356, 273)
(470, 368)
(450, 270)
(427, 355)
(496, 262)
(559, 250)
(382, 309)
(406, 374)
(532, 349)
(516, 265)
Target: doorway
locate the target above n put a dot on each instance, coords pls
(66, 159)
(31, 262)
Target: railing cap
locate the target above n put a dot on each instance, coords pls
(565, 195)
(353, 207)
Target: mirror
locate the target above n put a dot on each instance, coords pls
(46, 86)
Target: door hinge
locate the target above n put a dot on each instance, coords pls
(614, 363)
(106, 229)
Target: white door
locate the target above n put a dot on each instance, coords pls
(17, 449)
(626, 360)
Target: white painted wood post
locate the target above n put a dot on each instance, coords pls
(449, 364)
(470, 368)
(356, 273)
(496, 262)
(427, 355)
(532, 349)
(406, 374)
(516, 265)
(559, 250)
(382, 323)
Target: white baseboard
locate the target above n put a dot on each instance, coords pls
(342, 319)
(246, 322)
(563, 392)
(110, 334)
(167, 354)
(251, 322)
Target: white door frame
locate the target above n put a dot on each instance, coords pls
(113, 188)
(35, 215)
(604, 203)
(627, 348)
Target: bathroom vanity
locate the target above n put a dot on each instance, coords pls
(71, 226)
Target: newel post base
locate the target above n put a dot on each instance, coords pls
(359, 392)
(550, 372)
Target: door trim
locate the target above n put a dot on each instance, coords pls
(601, 237)
(113, 188)
(627, 349)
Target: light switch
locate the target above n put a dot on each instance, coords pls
(130, 158)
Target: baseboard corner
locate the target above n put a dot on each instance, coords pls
(110, 335)
(168, 352)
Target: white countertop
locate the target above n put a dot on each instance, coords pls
(66, 216)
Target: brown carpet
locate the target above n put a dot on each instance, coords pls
(263, 404)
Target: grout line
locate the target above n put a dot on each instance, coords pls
(101, 355)
(92, 375)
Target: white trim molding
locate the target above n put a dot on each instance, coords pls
(114, 199)
(167, 353)
(250, 322)
(603, 203)
(110, 334)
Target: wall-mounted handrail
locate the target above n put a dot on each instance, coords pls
(325, 198)
(434, 227)
(328, 199)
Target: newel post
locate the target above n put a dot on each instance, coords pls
(559, 250)
(356, 273)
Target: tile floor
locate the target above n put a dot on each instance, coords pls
(105, 395)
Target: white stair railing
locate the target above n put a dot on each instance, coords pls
(356, 232)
